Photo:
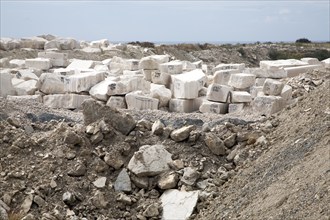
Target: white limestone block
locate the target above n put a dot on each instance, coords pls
(38, 63)
(235, 107)
(187, 85)
(198, 64)
(99, 43)
(68, 101)
(80, 64)
(152, 62)
(260, 81)
(100, 90)
(272, 87)
(64, 71)
(9, 43)
(256, 91)
(16, 81)
(182, 105)
(188, 66)
(6, 87)
(101, 68)
(91, 50)
(56, 59)
(160, 78)
(139, 101)
(128, 84)
(131, 64)
(233, 66)
(198, 102)
(311, 61)
(117, 102)
(268, 105)
(222, 76)
(33, 42)
(213, 107)
(295, 71)
(205, 69)
(277, 64)
(26, 88)
(26, 75)
(275, 73)
(51, 83)
(106, 61)
(286, 93)
(83, 82)
(62, 44)
(17, 63)
(178, 204)
(173, 67)
(161, 93)
(242, 80)
(240, 96)
(4, 63)
(326, 63)
(35, 98)
(147, 74)
(218, 93)
(132, 72)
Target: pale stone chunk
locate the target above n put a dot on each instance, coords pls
(132, 72)
(256, 91)
(311, 61)
(182, 105)
(69, 101)
(160, 78)
(218, 93)
(276, 64)
(152, 62)
(6, 87)
(117, 102)
(83, 82)
(139, 101)
(242, 80)
(100, 90)
(236, 66)
(80, 64)
(240, 96)
(128, 84)
(26, 87)
(161, 93)
(173, 67)
(51, 83)
(326, 63)
(286, 93)
(275, 73)
(213, 107)
(17, 63)
(235, 107)
(26, 75)
(131, 64)
(38, 63)
(36, 98)
(272, 87)
(222, 76)
(295, 71)
(260, 81)
(56, 59)
(268, 105)
(187, 85)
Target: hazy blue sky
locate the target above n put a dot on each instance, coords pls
(233, 21)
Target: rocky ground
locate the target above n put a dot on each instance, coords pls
(83, 164)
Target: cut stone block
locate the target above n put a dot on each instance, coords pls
(16, 81)
(147, 74)
(160, 78)
(178, 204)
(182, 105)
(51, 83)
(99, 43)
(198, 64)
(26, 75)
(68, 101)
(213, 107)
(131, 64)
(139, 101)
(260, 81)
(235, 107)
(100, 90)
(268, 105)
(272, 87)
(161, 93)
(241, 80)
(101, 68)
(36, 98)
(33, 43)
(187, 85)
(286, 93)
(277, 64)
(132, 72)
(9, 43)
(6, 87)
(38, 63)
(26, 88)
(221, 77)
(256, 91)
(117, 102)
(152, 62)
(173, 67)
(128, 84)
(205, 69)
(275, 73)
(80, 64)
(236, 66)
(218, 93)
(56, 59)
(188, 66)
(83, 82)
(326, 63)
(295, 71)
(240, 96)
(62, 44)
(311, 61)
(16, 63)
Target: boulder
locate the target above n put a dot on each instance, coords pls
(311, 61)
(256, 91)
(68, 101)
(158, 77)
(286, 93)
(17, 63)
(326, 63)
(26, 75)
(150, 160)
(93, 111)
(30, 98)
(100, 90)
(140, 101)
(127, 84)
(295, 71)
(272, 87)
(9, 44)
(241, 80)
(157, 128)
(178, 204)
(99, 43)
(38, 63)
(268, 105)
(182, 105)
(218, 93)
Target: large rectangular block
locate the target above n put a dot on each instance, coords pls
(260, 81)
(213, 107)
(187, 85)
(17, 63)
(218, 93)
(68, 101)
(235, 107)
(80, 64)
(152, 62)
(117, 102)
(26, 88)
(182, 105)
(128, 84)
(140, 101)
(34, 98)
(56, 59)
(132, 72)
(161, 93)
(160, 78)
(100, 90)
(286, 93)
(26, 75)
(173, 67)
(221, 77)
(272, 87)
(240, 96)
(236, 66)
(268, 105)
(256, 91)
(277, 64)
(311, 61)
(295, 71)
(275, 73)
(38, 63)
(51, 83)
(242, 80)
(6, 87)
(82, 82)
(131, 64)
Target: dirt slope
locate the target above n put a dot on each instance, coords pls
(290, 180)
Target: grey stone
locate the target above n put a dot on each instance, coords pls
(96, 138)
(69, 198)
(215, 144)
(78, 170)
(151, 210)
(114, 160)
(190, 176)
(230, 141)
(124, 199)
(168, 181)
(39, 201)
(182, 134)
(150, 160)
(272, 87)
(100, 182)
(141, 182)
(157, 128)
(99, 200)
(26, 205)
(123, 182)
(3, 213)
(94, 110)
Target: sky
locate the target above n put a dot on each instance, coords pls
(168, 21)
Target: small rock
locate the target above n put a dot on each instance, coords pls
(177, 164)
(144, 125)
(261, 140)
(71, 137)
(26, 205)
(230, 141)
(215, 144)
(39, 201)
(47, 216)
(151, 210)
(28, 129)
(182, 134)
(124, 199)
(29, 217)
(141, 182)
(78, 170)
(100, 182)
(99, 200)
(97, 138)
(53, 183)
(231, 155)
(90, 129)
(69, 198)
(3, 214)
(241, 136)
(194, 136)
(13, 122)
(190, 176)
(157, 128)
(123, 182)
(168, 181)
(114, 160)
